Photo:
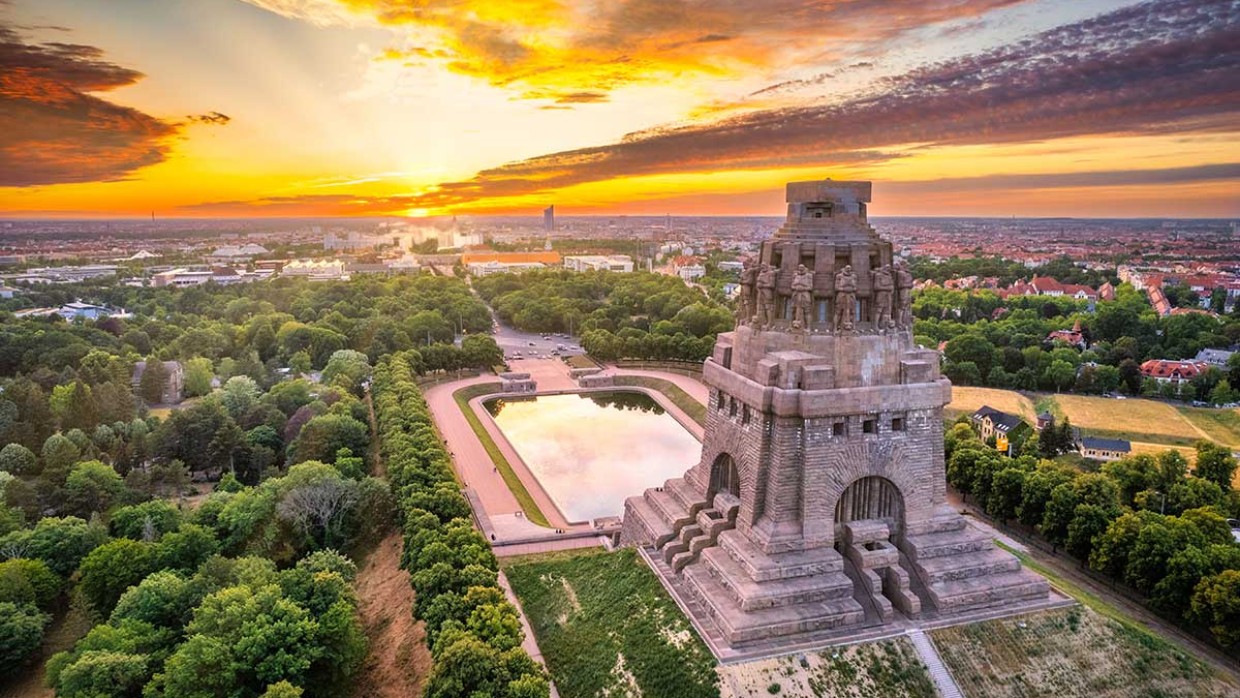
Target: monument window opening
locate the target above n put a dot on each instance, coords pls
(744, 414)
(821, 311)
(724, 477)
(839, 429)
(721, 401)
(869, 426)
(897, 424)
(732, 407)
(871, 497)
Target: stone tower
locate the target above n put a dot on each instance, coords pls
(818, 507)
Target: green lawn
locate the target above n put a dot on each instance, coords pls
(528, 505)
(607, 627)
(683, 400)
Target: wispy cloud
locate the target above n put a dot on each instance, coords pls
(1157, 67)
(551, 48)
(53, 131)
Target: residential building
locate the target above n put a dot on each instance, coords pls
(1214, 357)
(1073, 337)
(1103, 449)
(1169, 371)
(1006, 429)
(174, 389)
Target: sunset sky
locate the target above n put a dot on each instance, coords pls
(428, 107)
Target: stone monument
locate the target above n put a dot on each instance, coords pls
(818, 509)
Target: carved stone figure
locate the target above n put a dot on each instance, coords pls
(802, 296)
(766, 296)
(845, 298)
(884, 286)
(904, 295)
(745, 302)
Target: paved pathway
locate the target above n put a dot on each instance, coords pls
(938, 671)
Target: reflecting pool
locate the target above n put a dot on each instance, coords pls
(590, 451)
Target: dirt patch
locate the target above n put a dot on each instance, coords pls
(397, 660)
(874, 670)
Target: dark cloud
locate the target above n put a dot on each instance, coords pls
(1070, 180)
(52, 131)
(1158, 67)
(212, 117)
(581, 98)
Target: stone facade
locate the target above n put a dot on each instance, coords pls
(819, 503)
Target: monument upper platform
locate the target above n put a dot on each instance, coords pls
(827, 210)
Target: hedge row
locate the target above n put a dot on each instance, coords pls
(473, 632)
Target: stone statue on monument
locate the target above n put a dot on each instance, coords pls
(845, 298)
(745, 301)
(766, 296)
(884, 286)
(802, 297)
(904, 295)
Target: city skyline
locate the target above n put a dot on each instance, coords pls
(316, 108)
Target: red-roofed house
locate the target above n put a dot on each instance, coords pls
(1167, 371)
(1073, 337)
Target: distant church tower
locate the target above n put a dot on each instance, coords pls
(818, 508)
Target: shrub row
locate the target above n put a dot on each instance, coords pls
(473, 632)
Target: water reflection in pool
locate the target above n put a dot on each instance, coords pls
(590, 451)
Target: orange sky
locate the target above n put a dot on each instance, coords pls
(393, 107)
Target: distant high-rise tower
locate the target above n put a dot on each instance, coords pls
(549, 219)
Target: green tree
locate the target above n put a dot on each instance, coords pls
(60, 542)
(481, 351)
(348, 369)
(1060, 510)
(21, 632)
(1215, 463)
(104, 673)
(1060, 374)
(1216, 603)
(92, 487)
(17, 459)
(1088, 522)
(242, 640)
(326, 434)
(239, 395)
(112, 568)
(186, 548)
(199, 372)
(146, 521)
(154, 381)
(28, 581)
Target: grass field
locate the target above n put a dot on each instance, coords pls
(888, 669)
(607, 628)
(1134, 419)
(580, 361)
(1138, 420)
(1071, 652)
(967, 400)
(528, 505)
(1221, 425)
(683, 400)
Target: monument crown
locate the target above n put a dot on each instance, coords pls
(827, 210)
